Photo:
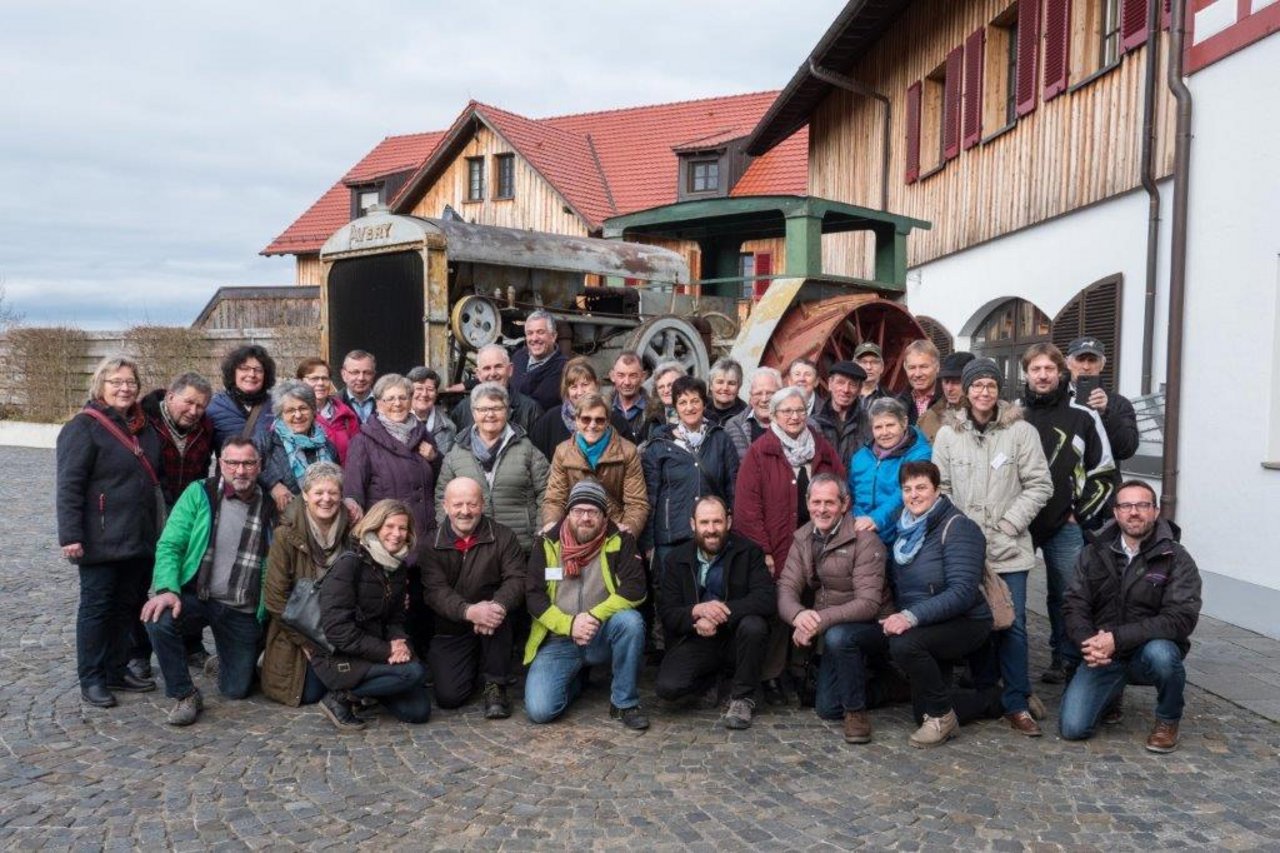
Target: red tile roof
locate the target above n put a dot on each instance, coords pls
(708, 142)
(783, 170)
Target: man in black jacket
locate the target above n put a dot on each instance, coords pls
(1087, 357)
(1131, 610)
(717, 597)
(840, 416)
(538, 365)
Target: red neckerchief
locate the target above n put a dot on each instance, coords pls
(465, 543)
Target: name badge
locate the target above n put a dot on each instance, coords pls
(999, 460)
(555, 573)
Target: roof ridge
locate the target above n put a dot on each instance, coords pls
(663, 104)
(604, 178)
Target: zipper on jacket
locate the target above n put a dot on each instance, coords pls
(102, 512)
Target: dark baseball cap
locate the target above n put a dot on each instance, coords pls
(1092, 346)
(868, 348)
(953, 365)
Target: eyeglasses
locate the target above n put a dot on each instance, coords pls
(586, 420)
(489, 410)
(586, 512)
(790, 413)
(236, 464)
(247, 368)
(394, 398)
(984, 388)
(296, 411)
(121, 383)
(1130, 506)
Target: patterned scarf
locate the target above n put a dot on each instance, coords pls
(566, 415)
(399, 430)
(176, 432)
(246, 571)
(882, 454)
(911, 530)
(690, 439)
(797, 450)
(297, 446)
(593, 452)
(325, 546)
(574, 554)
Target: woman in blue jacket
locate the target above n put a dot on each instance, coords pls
(873, 470)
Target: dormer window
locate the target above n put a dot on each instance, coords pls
(365, 197)
(368, 198)
(704, 176)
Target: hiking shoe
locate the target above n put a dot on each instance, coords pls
(633, 718)
(212, 667)
(334, 706)
(935, 731)
(187, 709)
(497, 706)
(738, 716)
(141, 669)
(1163, 737)
(1035, 706)
(857, 727)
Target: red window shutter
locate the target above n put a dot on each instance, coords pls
(951, 103)
(973, 61)
(1133, 24)
(913, 132)
(1028, 52)
(764, 266)
(1057, 32)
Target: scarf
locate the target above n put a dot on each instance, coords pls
(911, 531)
(297, 445)
(323, 544)
(177, 433)
(399, 431)
(487, 454)
(882, 454)
(246, 400)
(134, 419)
(593, 452)
(390, 562)
(566, 415)
(692, 440)
(246, 572)
(797, 450)
(574, 554)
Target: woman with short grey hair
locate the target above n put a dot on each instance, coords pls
(426, 393)
(873, 470)
(294, 441)
(724, 382)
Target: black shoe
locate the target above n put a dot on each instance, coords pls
(196, 659)
(497, 706)
(141, 668)
(335, 707)
(1055, 674)
(98, 696)
(773, 693)
(633, 718)
(131, 683)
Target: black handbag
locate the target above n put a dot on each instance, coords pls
(302, 612)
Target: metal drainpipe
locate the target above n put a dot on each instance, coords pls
(851, 85)
(1153, 191)
(1177, 263)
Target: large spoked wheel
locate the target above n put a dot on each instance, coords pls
(476, 322)
(669, 338)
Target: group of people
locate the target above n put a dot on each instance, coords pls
(846, 545)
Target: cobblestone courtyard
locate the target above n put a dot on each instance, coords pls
(255, 775)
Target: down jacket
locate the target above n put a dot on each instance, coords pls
(361, 612)
(618, 471)
(514, 496)
(341, 428)
(379, 466)
(675, 478)
(944, 581)
(847, 581)
(873, 483)
(998, 477)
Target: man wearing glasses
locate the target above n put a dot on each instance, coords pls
(208, 571)
(1131, 609)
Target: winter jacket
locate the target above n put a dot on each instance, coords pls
(361, 612)
(618, 471)
(1155, 597)
(522, 410)
(514, 499)
(229, 419)
(1120, 421)
(844, 435)
(443, 430)
(181, 467)
(743, 429)
(933, 419)
(275, 461)
(847, 581)
(623, 575)
(284, 664)
(944, 581)
(720, 416)
(675, 478)
(907, 399)
(542, 384)
(549, 430)
(341, 428)
(1079, 455)
(379, 466)
(999, 478)
(765, 499)
(492, 569)
(748, 586)
(106, 500)
(873, 483)
(635, 430)
(362, 410)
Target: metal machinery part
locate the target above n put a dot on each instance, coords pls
(670, 338)
(476, 322)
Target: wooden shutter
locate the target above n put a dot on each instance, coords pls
(1057, 49)
(764, 266)
(937, 333)
(1095, 312)
(973, 62)
(913, 132)
(1028, 52)
(951, 103)
(1133, 24)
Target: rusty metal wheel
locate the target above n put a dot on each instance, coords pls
(670, 338)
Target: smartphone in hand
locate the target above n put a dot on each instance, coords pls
(1085, 386)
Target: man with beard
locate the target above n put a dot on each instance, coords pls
(1131, 610)
(584, 583)
(716, 600)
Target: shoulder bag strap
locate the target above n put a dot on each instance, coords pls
(252, 421)
(130, 443)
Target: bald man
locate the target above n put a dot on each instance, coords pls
(473, 577)
(493, 364)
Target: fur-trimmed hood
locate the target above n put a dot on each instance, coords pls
(1007, 414)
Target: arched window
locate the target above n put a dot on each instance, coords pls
(1095, 312)
(938, 334)
(1004, 334)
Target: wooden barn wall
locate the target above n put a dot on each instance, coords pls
(308, 270)
(264, 313)
(536, 206)
(1079, 148)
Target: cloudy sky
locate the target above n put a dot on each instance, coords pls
(150, 150)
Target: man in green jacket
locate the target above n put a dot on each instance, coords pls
(208, 571)
(585, 580)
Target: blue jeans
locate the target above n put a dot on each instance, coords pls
(553, 683)
(111, 596)
(401, 688)
(1092, 688)
(1012, 648)
(235, 637)
(842, 674)
(1060, 554)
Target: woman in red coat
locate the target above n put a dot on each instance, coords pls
(770, 501)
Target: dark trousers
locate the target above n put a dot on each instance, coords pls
(925, 653)
(848, 648)
(691, 664)
(419, 619)
(111, 599)
(456, 659)
(236, 635)
(401, 688)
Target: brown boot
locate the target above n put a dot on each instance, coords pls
(935, 731)
(857, 727)
(1163, 737)
(1023, 723)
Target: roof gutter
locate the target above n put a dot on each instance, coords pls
(1153, 191)
(851, 85)
(1177, 262)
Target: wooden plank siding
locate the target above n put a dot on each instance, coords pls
(1079, 148)
(536, 205)
(308, 270)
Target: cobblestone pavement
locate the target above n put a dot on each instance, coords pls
(254, 775)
